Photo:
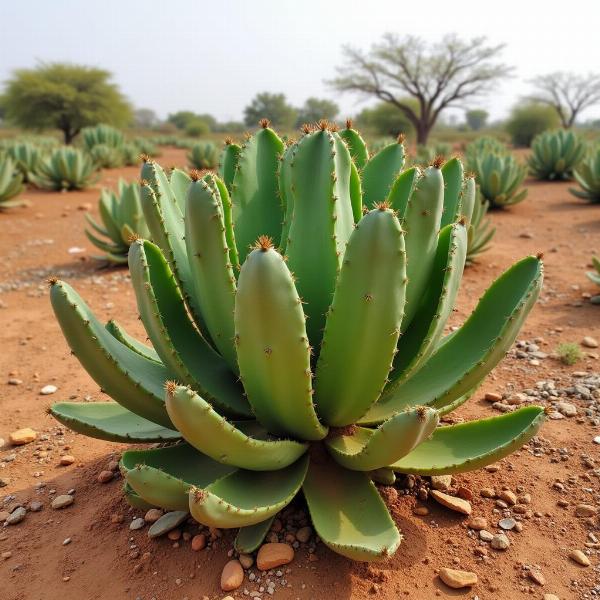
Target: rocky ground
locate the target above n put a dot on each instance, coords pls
(525, 527)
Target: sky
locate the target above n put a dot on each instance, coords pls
(213, 57)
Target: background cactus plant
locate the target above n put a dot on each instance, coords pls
(122, 220)
(65, 168)
(107, 157)
(203, 155)
(499, 177)
(27, 158)
(594, 276)
(11, 183)
(102, 134)
(291, 372)
(480, 231)
(555, 154)
(587, 175)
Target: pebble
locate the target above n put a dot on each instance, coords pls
(232, 576)
(551, 597)
(597, 439)
(48, 389)
(6, 555)
(457, 579)
(493, 397)
(22, 436)
(62, 501)
(486, 536)
(421, 511)
(579, 557)
(487, 493)
(441, 482)
(167, 522)
(137, 524)
(589, 342)
(509, 497)
(303, 534)
(500, 542)
(456, 504)
(174, 535)
(507, 524)
(35, 506)
(274, 555)
(16, 516)
(67, 460)
(585, 510)
(105, 476)
(198, 542)
(153, 515)
(478, 523)
(566, 408)
(537, 577)
(246, 560)
(15, 381)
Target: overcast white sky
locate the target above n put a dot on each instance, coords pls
(214, 56)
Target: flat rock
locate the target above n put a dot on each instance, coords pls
(486, 536)
(500, 542)
(48, 389)
(441, 482)
(566, 408)
(537, 577)
(457, 579)
(589, 342)
(167, 522)
(153, 515)
(67, 460)
(22, 436)
(579, 557)
(16, 516)
(62, 501)
(35, 506)
(456, 504)
(274, 555)
(137, 524)
(585, 510)
(507, 524)
(232, 576)
(478, 523)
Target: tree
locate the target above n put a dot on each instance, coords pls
(145, 118)
(181, 118)
(476, 118)
(386, 119)
(64, 96)
(568, 94)
(270, 106)
(197, 127)
(315, 109)
(527, 120)
(437, 76)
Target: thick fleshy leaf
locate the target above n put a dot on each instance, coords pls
(163, 476)
(250, 538)
(134, 500)
(246, 498)
(118, 332)
(212, 434)
(348, 513)
(469, 446)
(111, 422)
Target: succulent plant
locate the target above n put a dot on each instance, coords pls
(146, 146)
(228, 162)
(499, 177)
(285, 341)
(26, 156)
(203, 155)
(555, 154)
(122, 221)
(480, 232)
(11, 183)
(594, 276)
(587, 175)
(482, 145)
(425, 155)
(102, 134)
(65, 169)
(107, 157)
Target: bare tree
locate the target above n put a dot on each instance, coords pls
(567, 93)
(437, 76)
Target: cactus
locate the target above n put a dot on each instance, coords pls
(499, 177)
(203, 155)
(587, 175)
(482, 145)
(594, 277)
(425, 155)
(102, 134)
(290, 373)
(65, 169)
(107, 157)
(555, 155)
(480, 231)
(11, 183)
(27, 158)
(122, 221)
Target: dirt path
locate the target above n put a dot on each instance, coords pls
(106, 560)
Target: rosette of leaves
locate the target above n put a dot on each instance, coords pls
(65, 168)
(556, 154)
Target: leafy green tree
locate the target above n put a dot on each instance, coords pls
(145, 118)
(197, 127)
(315, 109)
(181, 118)
(527, 120)
(270, 106)
(476, 118)
(386, 119)
(63, 96)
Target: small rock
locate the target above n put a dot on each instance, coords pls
(566, 409)
(232, 576)
(22, 436)
(487, 493)
(67, 541)
(589, 342)
(167, 522)
(66, 460)
(16, 516)
(105, 476)
(6, 555)
(509, 497)
(35, 506)
(456, 504)
(303, 534)
(246, 560)
(48, 389)
(537, 577)
(274, 555)
(507, 524)
(174, 535)
(585, 510)
(500, 542)
(478, 523)
(579, 557)
(551, 597)
(421, 511)
(441, 482)
(493, 397)
(153, 515)
(137, 524)
(457, 579)
(198, 542)
(15, 381)
(62, 501)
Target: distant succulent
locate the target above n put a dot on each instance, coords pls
(482, 146)
(65, 169)
(26, 156)
(107, 157)
(480, 231)
(102, 135)
(587, 175)
(556, 154)
(203, 155)
(310, 355)
(11, 183)
(146, 146)
(594, 276)
(499, 177)
(122, 221)
(426, 154)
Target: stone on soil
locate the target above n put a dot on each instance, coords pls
(22, 436)
(457, 579)
(62, 501)
(167, 522)
(16, 516)
(579, 557)
(232, 576)
(456, 504)
(274, 555)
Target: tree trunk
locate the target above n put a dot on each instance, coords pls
(422, 131)
(69, 135)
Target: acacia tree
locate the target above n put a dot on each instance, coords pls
(270, 106)
(438, 76)
(63, 96)
(476, 118)
(567, 93)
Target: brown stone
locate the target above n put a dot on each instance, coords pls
(537, 577)
(174, 534)
(274, 555)
(67, 460)
(478, 523)
(232, 576)
(421, 511)
(585, 510)
(153, 515)
(198, 542)
(457, 579)
(579, 557)
(493, 397)
(22, 436)
(509, 497)
(105, 476)
(303, 534)
(456, 504)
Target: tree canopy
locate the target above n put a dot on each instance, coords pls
(526, 120)
(63, 96)
(386, 119)
(270, 106)
(476, 118)
(315, 109)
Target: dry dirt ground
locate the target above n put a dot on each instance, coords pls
(107, 560)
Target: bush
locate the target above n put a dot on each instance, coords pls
(569, 353)
(528, 120)
(385, 119)
(197, 128)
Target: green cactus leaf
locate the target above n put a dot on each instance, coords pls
(246, 498)
(111, 422)
(452, 173)
(285, 192)
(472, 445)
(380, 172)
(227, 220)
(94, 224)
(384, 476)
(402, 189)
(356, 146)
(228, 163)
(272, 347)
(474, 350)
(355, 193)
(363, 325)
(178, 343)
(348, 513)
(468, 199)
(369, 449)
(163, 476)
(225, 442)
(250, 538)
(134, 500)
(118, 332)
(132, 380)
(106, 246)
